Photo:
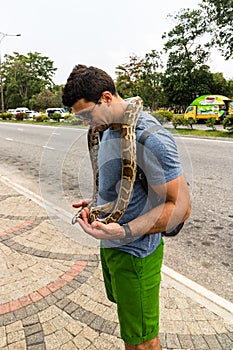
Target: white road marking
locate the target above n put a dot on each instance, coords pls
(47, 147)
(203, 139)
(9, 139)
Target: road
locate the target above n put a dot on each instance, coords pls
(53, 161)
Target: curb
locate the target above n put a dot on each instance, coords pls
(203, 296)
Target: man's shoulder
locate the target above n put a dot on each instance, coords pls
(148, 127)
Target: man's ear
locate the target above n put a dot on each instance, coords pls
(106, 97)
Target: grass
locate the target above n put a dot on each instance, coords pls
(53, 123)
(200, 133)
(179, 130)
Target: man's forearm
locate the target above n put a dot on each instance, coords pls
(159, 219)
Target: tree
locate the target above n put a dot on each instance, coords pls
(47, 98)
(151, 89)
(141, 77)
(218, 16)
(25, 76)
(186, 66)
(220, 85)
(129, 76)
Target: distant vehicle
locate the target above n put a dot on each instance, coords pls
(49, 111)
(21, 110)
(207, 106)
(11, 110)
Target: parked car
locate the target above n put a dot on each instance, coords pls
(11, 110)
(49, 111)
(21, 110)
(32, 114)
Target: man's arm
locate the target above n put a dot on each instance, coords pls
(175, 210)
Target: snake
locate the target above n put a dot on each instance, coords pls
(113, 211)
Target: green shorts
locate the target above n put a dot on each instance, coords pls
(133, 284)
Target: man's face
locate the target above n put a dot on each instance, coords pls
(95, 114)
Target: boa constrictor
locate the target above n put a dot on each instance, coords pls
(115, 210)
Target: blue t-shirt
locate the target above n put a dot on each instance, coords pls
(160, 162)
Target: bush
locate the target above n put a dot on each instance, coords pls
(6, 115)
(21, 116)
(189, 122)
(178, 120)
(228, 123)
(56, 116)
(67, 116)
(210, 122)
(41, 118)
(45, 118)
(166, 114)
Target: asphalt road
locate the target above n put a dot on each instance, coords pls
(53, 161)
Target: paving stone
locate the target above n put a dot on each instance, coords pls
(15, 336)
(71, 307)
(35, 339)
(31, 309)
(172, 341)
(69, 346)
(42, 304)
(82, 343)
(212, 342)
(87, 317)
(9, 318)
(199, 343)
(59, 294)
(63, 303)
(67, 290)
(36, 347)
(20, 345)
(108, 327)
(225, 341)
(20, 314)
(35, 328)
(50, 299)
(78, 313)
(81, 279)
(30, 320)
(186, 341)
(74, 284)
(162, 338)
(97, 323)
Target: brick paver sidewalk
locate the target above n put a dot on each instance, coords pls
(52, 292)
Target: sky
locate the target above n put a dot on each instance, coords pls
(102, 33)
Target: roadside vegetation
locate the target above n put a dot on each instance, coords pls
(174, 122)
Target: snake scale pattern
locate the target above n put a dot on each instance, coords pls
(113, 211)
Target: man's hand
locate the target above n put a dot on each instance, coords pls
(84, 203)
(99, 230)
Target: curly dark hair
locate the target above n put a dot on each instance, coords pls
(88, 83)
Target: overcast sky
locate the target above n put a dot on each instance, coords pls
(102, 33)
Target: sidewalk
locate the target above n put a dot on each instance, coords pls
(52, 292)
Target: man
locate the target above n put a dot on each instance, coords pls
(131, 267)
